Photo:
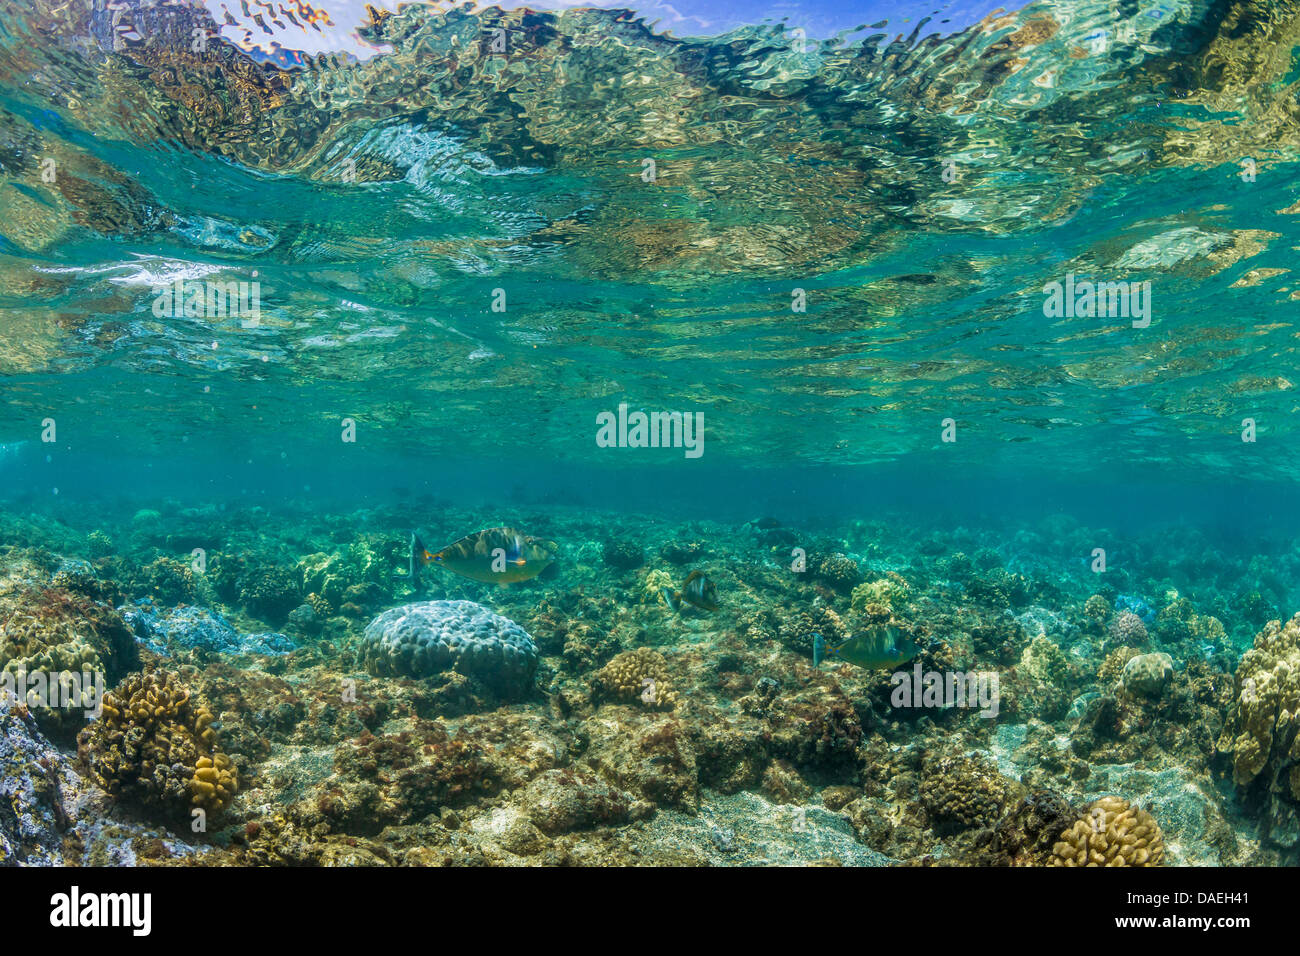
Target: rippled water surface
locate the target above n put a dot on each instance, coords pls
(473, 231)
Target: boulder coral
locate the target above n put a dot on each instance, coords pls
(423, 639)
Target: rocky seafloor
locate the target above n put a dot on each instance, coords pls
(1145, 714)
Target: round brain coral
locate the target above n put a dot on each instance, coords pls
(1111, 833)
(639, 675)
(155, 744)
(418, 640)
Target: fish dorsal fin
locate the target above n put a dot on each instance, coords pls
(691, 577)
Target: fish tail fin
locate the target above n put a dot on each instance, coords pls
(419, 553)
(673, 601)
(818, 646)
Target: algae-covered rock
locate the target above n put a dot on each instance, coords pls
(1147, 675)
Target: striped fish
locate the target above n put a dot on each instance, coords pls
(493, 556)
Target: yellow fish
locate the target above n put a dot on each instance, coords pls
(493, 556)
(875, 648)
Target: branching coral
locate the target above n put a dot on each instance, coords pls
(1261, 731)
(56, 632)
(639, 675)
(890, 591)
(155, 743)
(1045, 661)
(1114, 663)
(963, 791)
(1111, 833)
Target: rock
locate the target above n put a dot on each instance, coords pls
(52, 816)
(1147, 675)
(560, 801)
(35, 776)
(782, 784)
(188, 627)
(305, 619)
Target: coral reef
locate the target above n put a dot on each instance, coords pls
(1147, 675)
(166, 580)
(271, 592)
(604, 724)
(1113, 664)
(1127, 630)
(1045, 661)
(53, 632)
(889, 592)
(624, 554)
(837, 571)
(963, 792)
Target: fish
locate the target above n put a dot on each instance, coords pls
(697, 591)
(875, 648)
(493, 556)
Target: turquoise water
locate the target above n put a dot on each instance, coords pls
(821, 171)
(827, 234)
